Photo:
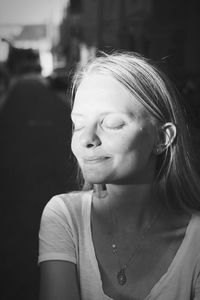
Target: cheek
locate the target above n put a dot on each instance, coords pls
(140, 142)
(114, 144)
(142, 146)
(75, 145)
(123, 143)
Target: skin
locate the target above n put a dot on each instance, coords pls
(112, 132)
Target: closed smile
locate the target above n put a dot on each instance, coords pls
(95, 159)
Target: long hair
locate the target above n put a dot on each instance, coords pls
(176, 179)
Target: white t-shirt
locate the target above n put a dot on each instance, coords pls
(65, 234)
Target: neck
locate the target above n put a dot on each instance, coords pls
(135, 203)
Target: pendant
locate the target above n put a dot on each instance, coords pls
(121, 277)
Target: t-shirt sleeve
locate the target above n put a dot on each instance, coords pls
(56, 236)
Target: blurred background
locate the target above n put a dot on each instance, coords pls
(42, 42)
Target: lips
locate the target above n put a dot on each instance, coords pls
(95, 159)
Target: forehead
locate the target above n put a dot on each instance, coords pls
(102, 92)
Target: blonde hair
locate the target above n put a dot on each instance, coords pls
(176, 179)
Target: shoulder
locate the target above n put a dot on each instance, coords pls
(66, 213)
(65, 218)
(70, 205)
(195, 220)
(192, 237)
(70, 200)
(195, 223)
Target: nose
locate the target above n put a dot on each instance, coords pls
(90, 138)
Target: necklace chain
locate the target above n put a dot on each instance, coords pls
(121, 275)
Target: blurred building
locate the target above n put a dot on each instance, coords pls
(158, 29)
(37, 36)
(115, 24)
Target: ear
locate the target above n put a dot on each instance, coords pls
(166, 136)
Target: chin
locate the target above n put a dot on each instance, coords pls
(95, 178)
(117, 180)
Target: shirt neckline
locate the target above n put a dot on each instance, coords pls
(175, 261)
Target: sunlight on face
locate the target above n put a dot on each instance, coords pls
(113, 136)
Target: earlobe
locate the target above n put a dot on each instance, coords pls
(167, 136)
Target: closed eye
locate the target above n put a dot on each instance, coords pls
(114, 127)
(112, 123)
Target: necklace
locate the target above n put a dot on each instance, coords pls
(121, 274)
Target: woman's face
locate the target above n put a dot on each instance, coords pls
(113, 137)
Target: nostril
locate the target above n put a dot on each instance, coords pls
(90, 139)
(90, 145)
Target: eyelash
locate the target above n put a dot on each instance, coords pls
(104, 126)
(114, 128)
(117, 127)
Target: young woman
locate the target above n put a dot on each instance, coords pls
(134, 232)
